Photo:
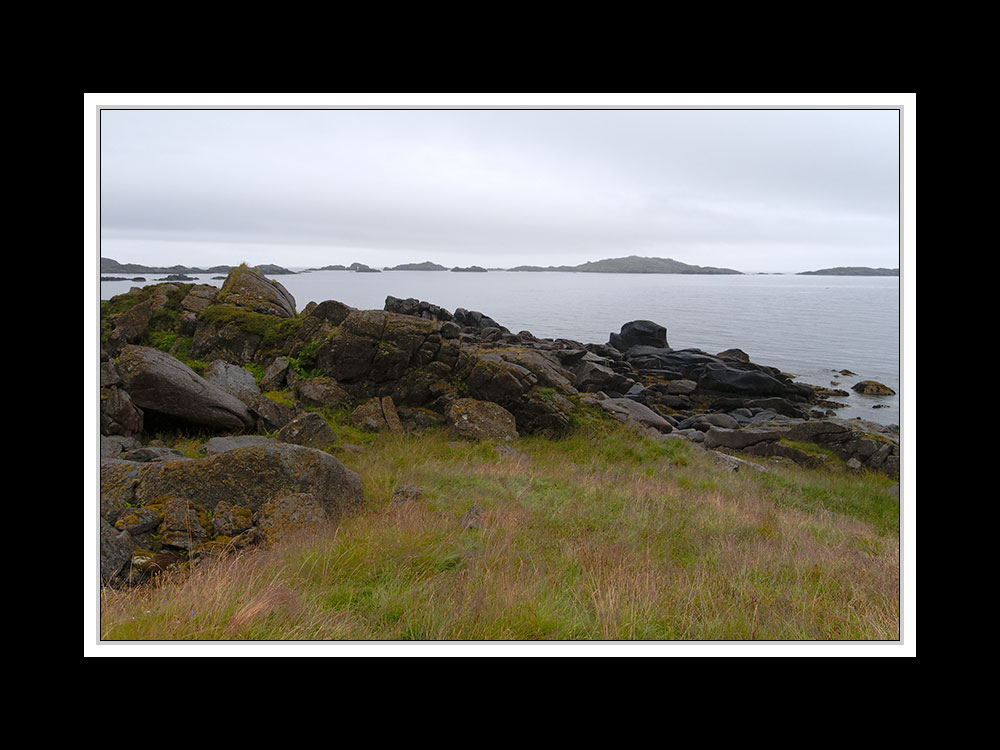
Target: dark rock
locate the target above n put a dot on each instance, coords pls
(332, 311)
(274, 375)
(270, 414)
(639, 333)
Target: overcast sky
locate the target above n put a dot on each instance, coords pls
(761, 190)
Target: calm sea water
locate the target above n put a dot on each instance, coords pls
(807, 326)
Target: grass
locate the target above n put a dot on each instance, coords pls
(605, 534)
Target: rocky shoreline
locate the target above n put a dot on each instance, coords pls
(241, 365)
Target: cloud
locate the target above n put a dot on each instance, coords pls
(767, 189)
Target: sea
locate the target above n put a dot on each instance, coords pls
(810, 327)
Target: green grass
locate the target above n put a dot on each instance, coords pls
(605, 534)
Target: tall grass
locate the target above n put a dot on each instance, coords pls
(604, 535)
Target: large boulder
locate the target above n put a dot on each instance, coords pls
(737, 439)
(246, 477)
(157, 382)
(471, 419)
(725, 379)
(639, 333)
(250, 289)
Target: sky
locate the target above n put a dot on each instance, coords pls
(761, 190)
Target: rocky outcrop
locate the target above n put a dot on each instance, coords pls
(377, 415)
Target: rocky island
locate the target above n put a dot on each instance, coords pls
(242, 367)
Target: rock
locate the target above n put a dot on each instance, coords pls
(872, 388)
(139, 520)
(184, 524)
(234, 380)
(274, 375)
(703, 422)
(591, 377)
(738, 439)
(309, 429)
(290, 513)
(505, 451)
(404, 494)
(231, 443)
(153, 453)
(748, 382)
(332, 311)
(245, 477)
(735, 464)
(472, 419)
(417, 309)
(230, 521)
(115, 550)
(130, 326)
(473, 518)
(199, 298)
(119, 414)
(875, 446)
(271, 415)
(737, 354)
(680, 387)
(639, 333)
(320, 391)
(113, 446)
(250, 289)
(377, 415)
(627, 410)
(157, 382)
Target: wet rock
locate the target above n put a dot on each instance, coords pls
(872, 388)
(639, 333)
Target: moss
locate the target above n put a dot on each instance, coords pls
(274, 331)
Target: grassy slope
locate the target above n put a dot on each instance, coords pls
(601, 535)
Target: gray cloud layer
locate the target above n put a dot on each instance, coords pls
(771, 190)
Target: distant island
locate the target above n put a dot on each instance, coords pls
(470, 269)
(357, 267)
(852, 271)
(110, 265)
(425, 266)
(632, 264)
